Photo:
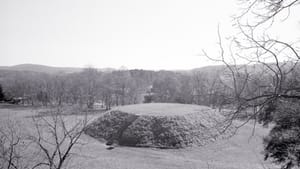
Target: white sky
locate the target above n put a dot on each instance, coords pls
(148, 34)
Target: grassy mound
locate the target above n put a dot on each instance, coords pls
(158, 125)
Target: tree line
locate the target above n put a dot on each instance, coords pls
(210, 86)
(115, 88)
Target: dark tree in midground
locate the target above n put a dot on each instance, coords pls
(283, 142)
(2, 96)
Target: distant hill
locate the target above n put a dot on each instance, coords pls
(56, 70)
(207, 69)
(46, 69)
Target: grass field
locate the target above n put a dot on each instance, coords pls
(242, 151)
(161, 109)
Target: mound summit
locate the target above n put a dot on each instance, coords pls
(160, 125)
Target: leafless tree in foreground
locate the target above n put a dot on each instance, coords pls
(51, 146)
(12, 146)
(269, 81)
(56, 138)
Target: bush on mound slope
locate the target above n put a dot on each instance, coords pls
(158, 125)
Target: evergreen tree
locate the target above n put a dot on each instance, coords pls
(2, 97)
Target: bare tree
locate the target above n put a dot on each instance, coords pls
(55, 139)
(13, 146)
(269, 78)
(255, 13)
(91, 79)
(51, 146)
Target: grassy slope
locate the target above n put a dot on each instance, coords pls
(239, 152)
(242, 151)
(162, 109)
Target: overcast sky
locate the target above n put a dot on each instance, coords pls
(148, 34)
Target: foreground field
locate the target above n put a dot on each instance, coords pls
(242, 151)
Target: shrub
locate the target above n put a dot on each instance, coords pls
(282, 144)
